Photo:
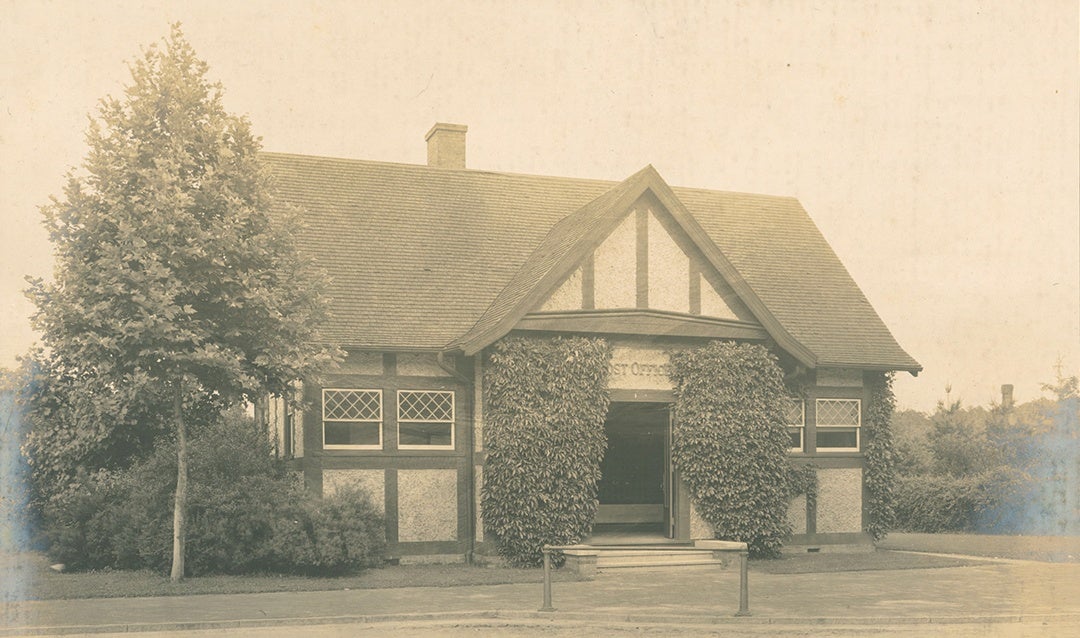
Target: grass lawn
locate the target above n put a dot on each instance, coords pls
(28, 577)
(853, 562)
(1054, 549)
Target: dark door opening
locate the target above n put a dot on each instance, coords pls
(634, 489)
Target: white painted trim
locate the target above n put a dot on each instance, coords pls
(452, 421)
(333, 446)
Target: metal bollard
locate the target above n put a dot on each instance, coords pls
(547, 581)
(744, 588)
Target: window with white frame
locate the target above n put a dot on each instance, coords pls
(795, 417)
(838, 422)
(425, 419)
(352, 419)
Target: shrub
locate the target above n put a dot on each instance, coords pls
(947, 503)
(79, 524)
(244, 514)
(544, 433)
(730, 442)
(336, 535)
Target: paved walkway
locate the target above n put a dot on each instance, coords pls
(991, 592)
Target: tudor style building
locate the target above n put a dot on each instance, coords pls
(432, 264)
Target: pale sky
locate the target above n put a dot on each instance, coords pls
(935, 144)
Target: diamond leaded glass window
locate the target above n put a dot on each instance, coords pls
(838, 422)
(795, 417)
(425, 419)
(352, 418)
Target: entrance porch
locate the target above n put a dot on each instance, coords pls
(639, 493)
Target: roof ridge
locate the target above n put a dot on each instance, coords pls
(481, 171)
(442, 169)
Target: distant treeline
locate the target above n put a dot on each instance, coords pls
(1004, 468)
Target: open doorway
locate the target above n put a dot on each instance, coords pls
(635, 490)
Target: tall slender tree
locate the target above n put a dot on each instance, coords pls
(172, 265)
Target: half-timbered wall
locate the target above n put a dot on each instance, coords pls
(423, 489)
(647, 262)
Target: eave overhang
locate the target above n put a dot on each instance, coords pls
(656, 323)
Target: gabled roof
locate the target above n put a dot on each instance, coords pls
(426, 258)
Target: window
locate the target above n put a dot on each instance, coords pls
(352, 419)
(425, 419)
(795, 417)
(838, 423)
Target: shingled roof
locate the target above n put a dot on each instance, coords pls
(419, 255)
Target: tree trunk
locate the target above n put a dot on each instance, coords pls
(180, 503)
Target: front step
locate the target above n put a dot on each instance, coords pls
(616, 559)
(586, 560)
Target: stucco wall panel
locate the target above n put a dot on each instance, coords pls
(567, 296)
(478, 478)
(712, 304)
(362, 363)
(839, 503)
(839, 377)
(371, 482)
(427, 505)
(669, 270)
(615, 267)
(796, 515)
(699, 527)
(478, 403)
(420, 365)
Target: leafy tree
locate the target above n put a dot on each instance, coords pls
(1064, 388)
(957, 439)
(171, 271)
(910, 429)
(79, 423)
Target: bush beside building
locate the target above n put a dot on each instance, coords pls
(246, 514)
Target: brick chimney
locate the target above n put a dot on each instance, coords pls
(446, 145)
(1007, 396)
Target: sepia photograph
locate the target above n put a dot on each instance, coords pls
(497, 318)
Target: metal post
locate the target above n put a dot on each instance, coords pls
(547, 581)
(744, 588)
